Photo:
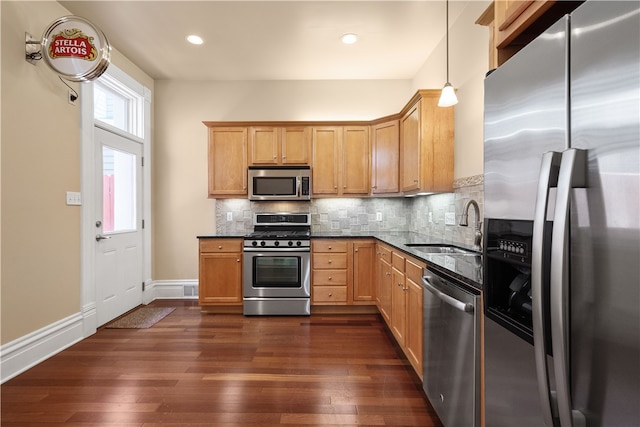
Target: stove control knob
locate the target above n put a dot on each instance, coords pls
(277, 243)
(290, 243)
(254, 243)
(298, 243)
(263, 243)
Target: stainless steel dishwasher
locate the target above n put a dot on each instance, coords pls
(451, 353)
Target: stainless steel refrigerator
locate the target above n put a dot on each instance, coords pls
(562, 225)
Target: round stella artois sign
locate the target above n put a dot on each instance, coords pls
(76, 49)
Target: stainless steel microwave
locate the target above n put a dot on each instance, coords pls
(279, 183)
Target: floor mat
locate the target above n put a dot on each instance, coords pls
(144, 317)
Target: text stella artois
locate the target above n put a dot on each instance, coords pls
(72, 43)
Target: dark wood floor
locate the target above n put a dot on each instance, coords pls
(224, 370)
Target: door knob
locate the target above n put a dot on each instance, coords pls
(101, 237)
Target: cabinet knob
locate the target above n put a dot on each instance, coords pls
(330, 278)
(220, 247)
(275, 157)
(344, 186)
(330, 294)
(388, 274)
(415, 180)
(284, 157)
(238, 260)
(329, 247)
(356, 250)
(330, 261)
(335, 187)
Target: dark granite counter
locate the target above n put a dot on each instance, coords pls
(466, 268)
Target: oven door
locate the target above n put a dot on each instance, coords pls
(276, 273)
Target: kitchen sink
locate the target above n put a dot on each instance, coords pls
(440, 249)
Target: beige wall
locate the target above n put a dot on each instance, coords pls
(40, 137)
(468, 63)
(40, 162)
(180, 207)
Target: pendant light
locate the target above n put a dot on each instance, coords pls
(448, 96)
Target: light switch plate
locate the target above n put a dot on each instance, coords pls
(450, 218)
(229, 216)
(378, 216)
(430, 216)
(74, 198)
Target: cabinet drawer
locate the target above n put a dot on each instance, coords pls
(414, 270)
(221, 245)
(329, 246)
(397, 261)
(385, 253)
(331, 261)
(329, 277)
(330, 294)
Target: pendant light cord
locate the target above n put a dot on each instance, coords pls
(447, 23)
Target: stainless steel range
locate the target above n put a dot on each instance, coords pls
(277, 264)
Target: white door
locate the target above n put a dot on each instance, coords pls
(118, 225)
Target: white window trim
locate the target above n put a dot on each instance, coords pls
(88, 229)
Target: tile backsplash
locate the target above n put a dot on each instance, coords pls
(423, 214)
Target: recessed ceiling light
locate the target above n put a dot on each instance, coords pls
(193, 39)
(349, 38)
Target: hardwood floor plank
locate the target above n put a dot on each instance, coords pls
(223, 370)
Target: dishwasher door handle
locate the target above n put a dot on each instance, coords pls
(457, 304)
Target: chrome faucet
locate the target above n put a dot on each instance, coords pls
(464, 221)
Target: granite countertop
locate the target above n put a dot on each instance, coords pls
(466, 268)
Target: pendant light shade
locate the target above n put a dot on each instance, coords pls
(448, 96)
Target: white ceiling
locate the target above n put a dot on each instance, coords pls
(272, 40)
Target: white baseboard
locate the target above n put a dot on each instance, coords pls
(25, 352)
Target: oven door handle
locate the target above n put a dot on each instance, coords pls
(278, 249)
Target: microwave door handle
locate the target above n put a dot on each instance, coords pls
(573, 171)
(548, 178)
(299, 186)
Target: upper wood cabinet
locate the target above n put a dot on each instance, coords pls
(426, 145)
(325, 162)
(356, 160)
(341, 160)
(272, 146)
(227, 158)
(385, 157)
(515, 23)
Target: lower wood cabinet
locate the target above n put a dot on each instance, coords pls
(399, 295)
(329, 272)
(220, 272)
(341, 272)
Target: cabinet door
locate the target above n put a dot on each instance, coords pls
(513, 17)
(356, 155)
(363, 275)
(326, 143)
(385, 158)
(295, 142)
(220, 278)
(227, 158)
(383, 293)
(414, 290)
(398, 306)
(264, 146)
(410, 149)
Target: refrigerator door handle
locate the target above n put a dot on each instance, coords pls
(573, 171)
(548, 178)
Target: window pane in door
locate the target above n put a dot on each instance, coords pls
(111, 107)
(119, 190)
